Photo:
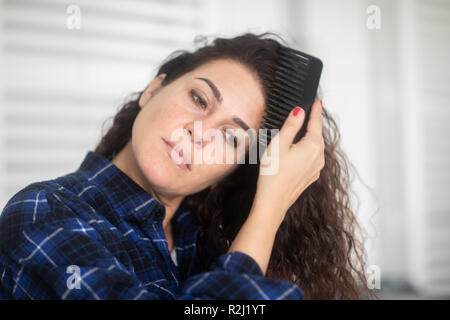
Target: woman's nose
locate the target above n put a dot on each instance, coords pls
(197, 132)
(195, 137)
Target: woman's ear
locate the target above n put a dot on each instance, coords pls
(151, 89)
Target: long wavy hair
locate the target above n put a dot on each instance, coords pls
(319, 245)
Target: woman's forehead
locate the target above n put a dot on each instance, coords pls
(224, 70)
(237, 86)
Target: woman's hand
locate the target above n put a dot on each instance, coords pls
(299, 164)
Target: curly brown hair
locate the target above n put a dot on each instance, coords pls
(318, 246)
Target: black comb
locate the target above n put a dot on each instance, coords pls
(296, 81)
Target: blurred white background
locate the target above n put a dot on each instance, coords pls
(385, 80)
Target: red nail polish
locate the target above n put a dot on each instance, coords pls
(297, 111)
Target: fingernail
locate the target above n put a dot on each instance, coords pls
(297, 111)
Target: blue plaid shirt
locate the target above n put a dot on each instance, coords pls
(95, 234)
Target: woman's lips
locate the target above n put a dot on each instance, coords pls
(170, 146)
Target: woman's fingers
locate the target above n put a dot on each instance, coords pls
(295, 121)
(291, 126)
(313, 143)
(314, 128)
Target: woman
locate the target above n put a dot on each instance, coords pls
(140, 220)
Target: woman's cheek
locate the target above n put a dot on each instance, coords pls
(136, 131)
(192, 109)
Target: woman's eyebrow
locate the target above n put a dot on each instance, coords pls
(219, 98)
(213, 88)
(241, 123)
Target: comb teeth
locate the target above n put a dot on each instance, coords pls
(290, 84)
(269, 125)
(283, 95)
(276, 115)
(296, 80)
(294, 59)
(296, 76)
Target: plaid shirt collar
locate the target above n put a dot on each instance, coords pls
(128, 199)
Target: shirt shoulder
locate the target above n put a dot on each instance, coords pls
(29, 199)
(39, 203)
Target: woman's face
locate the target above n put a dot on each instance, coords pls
(211, 97)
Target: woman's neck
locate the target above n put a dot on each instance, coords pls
(126, 162)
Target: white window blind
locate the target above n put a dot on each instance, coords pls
(59, 85)
(426, 77)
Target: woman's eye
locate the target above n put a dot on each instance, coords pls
(198, 100)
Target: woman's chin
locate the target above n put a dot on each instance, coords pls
(158, 172)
